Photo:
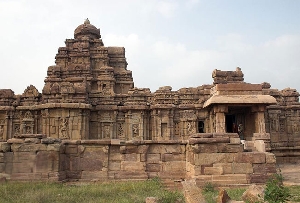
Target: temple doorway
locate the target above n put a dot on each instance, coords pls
(230, 122)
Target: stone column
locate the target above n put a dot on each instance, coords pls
(220, 111)
(259, 116)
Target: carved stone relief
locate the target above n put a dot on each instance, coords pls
(1, 132)
(64, 134)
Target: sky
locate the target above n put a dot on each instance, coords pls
(174, 43)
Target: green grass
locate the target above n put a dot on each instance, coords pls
(119, 192)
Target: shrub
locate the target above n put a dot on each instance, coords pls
(275, 192)
(208, 187)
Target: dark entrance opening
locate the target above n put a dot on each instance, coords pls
(200, 126)
(230, 123)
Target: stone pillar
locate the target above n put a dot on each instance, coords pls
(259, 116)
(220, 111)
(171, 124)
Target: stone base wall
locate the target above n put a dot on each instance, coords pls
(222, 162)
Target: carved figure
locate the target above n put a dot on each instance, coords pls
(17, 129)
(241, 131)
(135, 129)
(64, 128)
(1, 132)
(28, 130)
(106, 131)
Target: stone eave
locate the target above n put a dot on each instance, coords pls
(55, 106)
(240, 99)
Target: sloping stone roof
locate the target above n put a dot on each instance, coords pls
(240, 99)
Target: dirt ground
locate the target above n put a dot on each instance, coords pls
(291, 173)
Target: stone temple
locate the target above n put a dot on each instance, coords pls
(91, 123)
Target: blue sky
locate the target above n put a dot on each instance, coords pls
(168, 42)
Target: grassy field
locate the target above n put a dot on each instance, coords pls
(119, 192)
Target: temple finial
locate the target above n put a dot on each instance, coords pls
(87, 21)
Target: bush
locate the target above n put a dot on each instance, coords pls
(275, 192)
(208, 187)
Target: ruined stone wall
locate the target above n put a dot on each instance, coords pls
(283, 124)
(216, 158)
(220, 159)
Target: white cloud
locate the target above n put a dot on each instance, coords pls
(167, 8)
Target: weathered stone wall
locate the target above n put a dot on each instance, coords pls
(220, 159)
(212, 158)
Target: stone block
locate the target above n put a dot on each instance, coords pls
(129, 149)
(71, 149)
(32, 140)
(75, 163)
(15, 141)
(4, 147)
(28, 147)
(209, 159)
(251, 157)
(8, 157)
(142, 149)
(203, 179)
(261, 136)
(143, 157)
(242, 168)
(258, 178)
(132, 166)
(230, 179)
(95, 153)
(1, 157)
(8, 168)
(153, 158)
(114, 149)
(264, 168)
(50, 140)
(255, 193)
(213, 171)
(24, 157)
(26, 176)
(173, 157)
(91, 164)
(260, 145)
(229, 148)
(25, 167)
(161, 149)
(94, 175)
(130, 157)
(174, 166)
(153, 167)
(235, 140)
(270, 158)
(259, 158)
(114, 166)
(2, 167)
(47, 161)
(205, 148)
(55, 147)
(115, 142)
(130, 175)
(174, 175)
(114, 157)
(227, 167)
(209, 140)
(73, 175)
(57, 176)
